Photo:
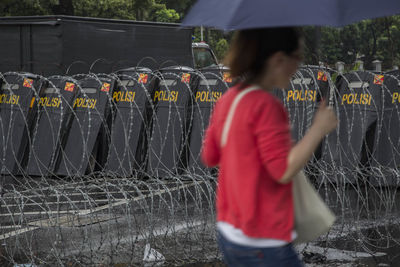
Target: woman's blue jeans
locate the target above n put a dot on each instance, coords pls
(237, 255)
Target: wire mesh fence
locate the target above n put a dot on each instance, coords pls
(104, 169)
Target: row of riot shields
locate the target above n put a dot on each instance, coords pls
(183, 100)
(134, 121)
(367, 137)
(50, 125)
(138, 121)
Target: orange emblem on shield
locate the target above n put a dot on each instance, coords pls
(322, 76)
(378, 79)
(69, 87)
(185, 78)
(28, 83)
(227, 77)
(143, 77)
(105, 87)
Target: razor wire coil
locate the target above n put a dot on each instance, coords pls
(136, 192)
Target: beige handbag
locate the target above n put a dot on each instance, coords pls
(312, 217)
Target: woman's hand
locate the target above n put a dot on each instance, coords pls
(325, 119)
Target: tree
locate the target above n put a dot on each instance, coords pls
(117, 9)
(22, 8)
(166, 15)
(312, 45)
(329, 49)
(221, 48)
(114, 9)
(64, 7)
(180, 6)
(367, 40)
(143, 8)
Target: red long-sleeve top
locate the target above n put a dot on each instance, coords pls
(254, 158)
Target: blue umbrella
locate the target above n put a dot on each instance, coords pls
(246, 14)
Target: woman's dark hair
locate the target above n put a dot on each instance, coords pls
(251, 48)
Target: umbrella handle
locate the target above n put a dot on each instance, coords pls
(332, 88)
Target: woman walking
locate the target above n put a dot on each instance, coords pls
(255, 216)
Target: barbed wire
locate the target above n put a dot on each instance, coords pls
(104, 169)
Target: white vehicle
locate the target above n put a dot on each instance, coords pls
(203, 56)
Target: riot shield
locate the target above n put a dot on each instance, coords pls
(213, 82)
(358, 100)
(90, 109)
(173, 98)
(17, 115)
(130, 124)
(55, 105)
(306, 89)
(386, 151)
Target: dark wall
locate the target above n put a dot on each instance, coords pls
(10, 48)
(46, 49)
(54, 45)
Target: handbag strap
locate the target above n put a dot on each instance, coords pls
(231, 112)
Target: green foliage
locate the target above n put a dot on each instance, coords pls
(221, 48)
(311, 49)
(151, 10)
(181, 6)
(367, 40)
(23, 8)
(114, 9)
(329, 52)
(356, 66)
(166, 15)
(334, 77)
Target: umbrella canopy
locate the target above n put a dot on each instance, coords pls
(246, 14)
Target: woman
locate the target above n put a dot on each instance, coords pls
(254, 195)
